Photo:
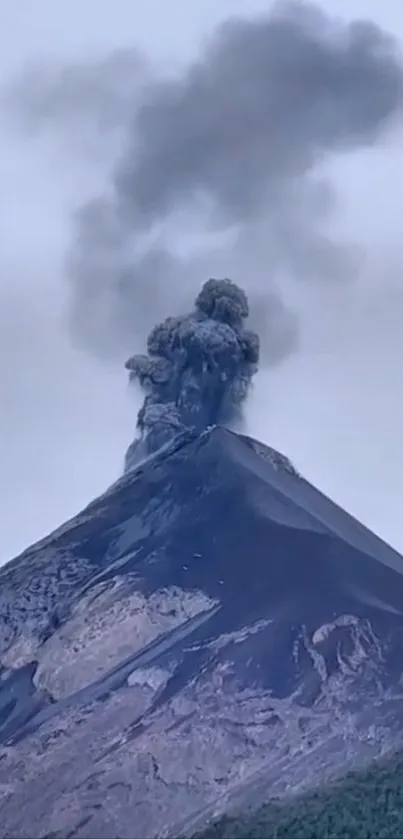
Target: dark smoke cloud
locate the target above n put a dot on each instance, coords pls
(230, 145)
(197, 371)
(234, 143)
(229, 150)
(267, 100)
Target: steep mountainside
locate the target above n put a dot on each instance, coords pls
(210, 631)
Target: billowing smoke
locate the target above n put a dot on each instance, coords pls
(198, 369)
(229, 154)
(268, 99)
(232, 148)
(234, 144)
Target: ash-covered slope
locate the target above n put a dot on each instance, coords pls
(210, 631)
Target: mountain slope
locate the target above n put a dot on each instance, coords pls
(210, 631)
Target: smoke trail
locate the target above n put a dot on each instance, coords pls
(85, 104)
(197, 371)
(268, 99)
(231, 146)
(234, 143)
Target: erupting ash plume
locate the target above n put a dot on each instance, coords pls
(198, 368)
(218, 171)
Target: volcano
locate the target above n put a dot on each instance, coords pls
(209, 632)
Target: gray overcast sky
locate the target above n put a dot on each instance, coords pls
(65, 420)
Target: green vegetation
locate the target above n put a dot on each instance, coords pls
(363, 805)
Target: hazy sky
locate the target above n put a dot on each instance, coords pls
(65, 420)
